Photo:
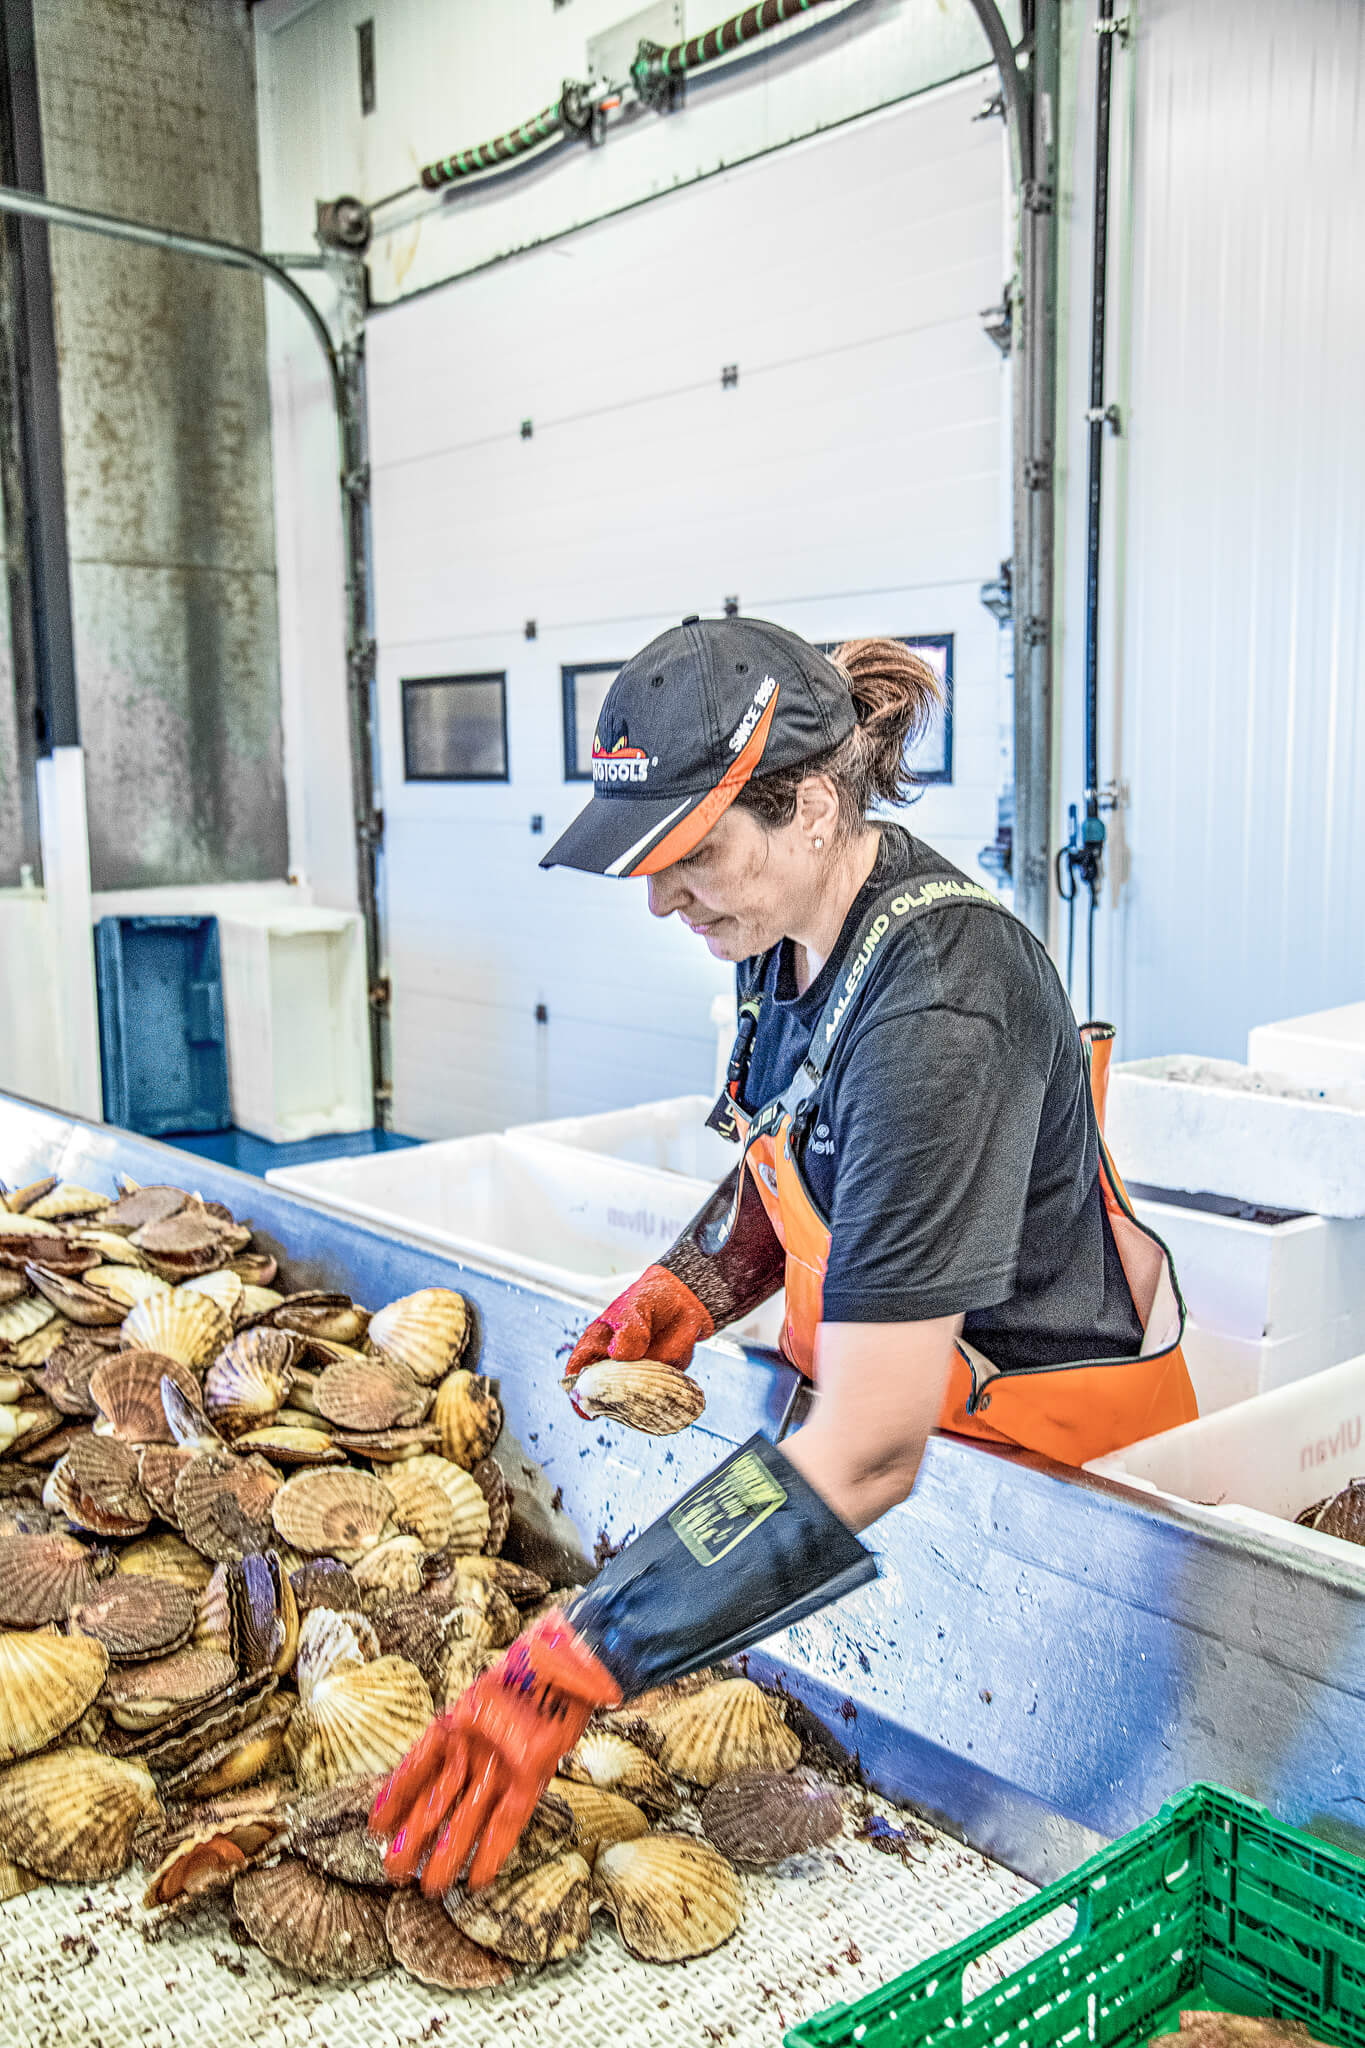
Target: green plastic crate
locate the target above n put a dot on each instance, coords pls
(1213, 1904)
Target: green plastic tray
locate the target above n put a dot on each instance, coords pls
(1213, 1904)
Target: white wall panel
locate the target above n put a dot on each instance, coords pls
(1238, 719)
(850, 483)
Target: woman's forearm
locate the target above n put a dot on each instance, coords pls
(860, 1484)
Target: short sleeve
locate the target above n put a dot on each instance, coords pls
(934, 1124)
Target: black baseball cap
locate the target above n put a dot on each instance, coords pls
(685, 724)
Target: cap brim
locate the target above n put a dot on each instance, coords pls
(616, 835)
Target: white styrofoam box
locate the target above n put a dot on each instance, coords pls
(1227, 1369)
(1263, 1462)
(1215, 1127)
(580, 1222)
(1248, 1279)
(1326, 1045)
(296, 1006)
(670, 1135)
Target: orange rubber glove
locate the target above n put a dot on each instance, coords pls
(658, 1316)
(470, 1784)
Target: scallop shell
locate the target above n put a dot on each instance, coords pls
(254, 1269)
(422, 1507)
(330, 1831)
(165, 1556)
(187, 1327)
(256, 1302)
(515, 1580)
(393, 1567)
(292, 1444)
(537, 1917)
(724, 1729)
(223, 1504)
(213, 1623)
(189, 1233)
(462, 1661)
(126, 1285)
(370, 1394)
(39, 1432)
(658, 1400)
(136, 1617)
(599, 1818)
(1341, 1515)
(39, 1345)
(312, 1924)
(238, 1759)
(430, 1947)
(331, 1641)
(249, 1379)
(331, 1513)
(42, 1578)
(20, 1319)
(126, 1389)
(469, 1416)
(71, 1815)
(202, 1862)
(223, 1287)
(267, 1620)
(140, 1206)
(358, 1721)
(615, 1765)
(322, 1318)
(388, 1446)
(769, 1815)
(141, 1696)
(66, 1375)
(65, 1201)
(71, 1297)
(187, 1421)
(425, 1331)
(15, 1881)
(46, 1683)
(95, 1486)
(483, 1613)
(491, 1481)
(108, 1247)
(158, 1468)
(322, 1582)
(672, 1896)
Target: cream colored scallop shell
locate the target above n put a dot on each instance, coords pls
(599, 1818)
(672, 1896)
(425, 1331)
(535, 1918)
(615, 1765)
(333, 1512)
(394, 1566)
(657, 1400)
(72, 1814)
(422, 1507)
(728, 1727)
(469, 1530)
(358, 1721)
(469, 1416)
(187, 1327)
(331, 1640)
(46, 1683)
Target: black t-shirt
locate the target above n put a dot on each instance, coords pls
(955, 1153)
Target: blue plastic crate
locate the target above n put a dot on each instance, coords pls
(161, 1024)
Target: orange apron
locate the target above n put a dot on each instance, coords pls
(1073, 1411)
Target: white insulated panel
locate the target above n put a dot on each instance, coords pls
(850, 483)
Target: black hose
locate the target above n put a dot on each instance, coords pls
(502, 149)
(1096, 412)
(730, 35)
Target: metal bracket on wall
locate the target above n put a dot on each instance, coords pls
(1105, 416)
(997, 322)
(1113, 25)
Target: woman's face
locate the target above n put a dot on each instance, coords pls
(742, 889)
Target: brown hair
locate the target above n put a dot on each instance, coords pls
(894, 694)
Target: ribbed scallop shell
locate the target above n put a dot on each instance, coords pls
(72, 1814)
(46, 1683)
(187, 1327)
(370, 1394)
(213, 1622)
(249, 1379)
(491, 1481)
(519, 1584)
(469, 1530)
(42, 1578)
(769, 1815)
(126, 1390)
(422, 1507)
(223, 1505)
(95, 1486)
(166, 1556)
(672, 1896)
(312, 1924)
(136, 1207)
(21, 1318)
(291, 1444)
(239, 1759)
(393, 1567)
(109, 1248)
(223, 1287)
(461, 1662)
(66, 1375)
(329, 1513)
(39, 1345)
(126, 1284)
(159, 1466)
(69, 1295)
(136, 1616)
(331, 1641)
(535, 1918)
(256, 1302)
(67, 1200)
(141, 1696)
(657, 1400)
(430, 1947)
(469, 1416)
(599, 1818)
(359, 1720)
(425, 1331)
(615, 1765)
(724, 1729)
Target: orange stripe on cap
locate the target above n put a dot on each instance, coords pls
(677, 844)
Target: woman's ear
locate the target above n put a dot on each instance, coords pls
(817, 809)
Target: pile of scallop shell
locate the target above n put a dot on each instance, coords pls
(250, 1541)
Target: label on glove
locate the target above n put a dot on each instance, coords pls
(716, 1516)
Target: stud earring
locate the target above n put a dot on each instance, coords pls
(818, 844)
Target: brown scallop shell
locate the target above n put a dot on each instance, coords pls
(614, 1765)
(387, 1446)
(46, 1683)
(430, 1947)
(66, 1375)
(250, 1379)
(322, 1318)
(291, 1444)
(312, 1924)
(723, 1730)
(333, 1513)
(469, 1416)
(42, 1578)
(191, 1229)
(223, 1505)
(330, 1831)
(95, 1486)
(655, 1399)
(166, 1556)
(537, 1917)
(421, 1507)
(141, 1696)
(237, 1759)
(520, 1585)
(140, 1206)
(325, 1582)
(491, 1481)
(71, 1814)
(204, 1861)
(370, 1394)
(126, 1389)
(187, 1327)
(769, 1815)
(1342, 1515)
(672, 1896)
(72, 1298)
(159, 1466)
(254, 1269)
(267, 1635)
(426, 1332)
(599, 1818)
(136, 1617)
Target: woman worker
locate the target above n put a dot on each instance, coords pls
(922, 1169)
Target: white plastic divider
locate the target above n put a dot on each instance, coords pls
(1264, 1461)
(1325, 1045)
(670, 1135)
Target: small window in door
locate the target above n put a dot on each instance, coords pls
(585, 686)
(455, 728)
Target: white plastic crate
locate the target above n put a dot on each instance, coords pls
(580, 1222)
(1325, 1045)
(1262, 1280)
(295, 1001)
(670, 1135)
(1226, 1369)
(1263, 1462)
(1215, 1127)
